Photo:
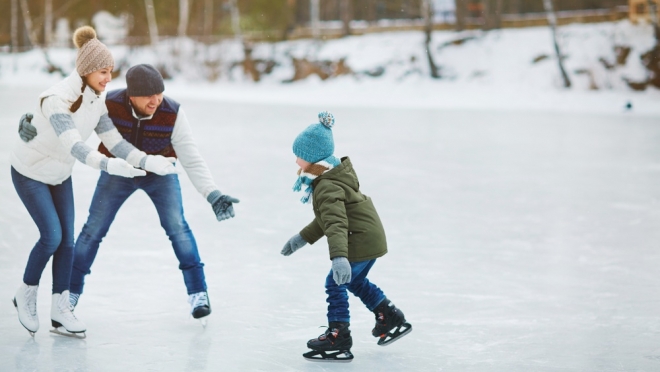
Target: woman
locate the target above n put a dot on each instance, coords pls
(41, 171)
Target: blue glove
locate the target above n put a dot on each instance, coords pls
(26, 130)
(341, 270)
(222, 205)
(296, 242)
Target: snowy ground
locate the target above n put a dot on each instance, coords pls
(520, 240)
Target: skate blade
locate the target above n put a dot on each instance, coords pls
(63, 332)
(341, 356)
(395, 335)
(204, 321)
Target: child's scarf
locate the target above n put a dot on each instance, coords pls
(307, 176)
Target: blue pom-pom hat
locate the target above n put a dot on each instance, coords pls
(316, 143)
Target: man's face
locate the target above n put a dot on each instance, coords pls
(146, 105)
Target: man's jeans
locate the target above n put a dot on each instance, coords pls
(51, 208)
(360, 286)
(165, 193)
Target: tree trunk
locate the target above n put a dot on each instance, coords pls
(461, 14)
(14, 26)
(315, 18)
(151, 20)
(235, 19)
(208, 19)
(552, 21)
(346, 16)
(27, 19)
(427, 14)
(653, 13)
(48, 22)
(184, 16)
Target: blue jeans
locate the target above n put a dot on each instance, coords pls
(360, 286)
(165, 193)
(51, 208)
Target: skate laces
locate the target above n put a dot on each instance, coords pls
(31, 299)
(65, 307)
(198, 299)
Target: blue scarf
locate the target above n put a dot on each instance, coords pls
(307, 176)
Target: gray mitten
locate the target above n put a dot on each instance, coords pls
(222, 205)
(341, 270)
(296, 242)
(26, 130)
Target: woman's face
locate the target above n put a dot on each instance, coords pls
(98, 79)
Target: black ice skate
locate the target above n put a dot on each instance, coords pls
(334, 345)
(390, 323)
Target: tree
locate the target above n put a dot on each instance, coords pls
(552, 21)
(461, 13)
(151, 20)
(427, 14)
(346, 16)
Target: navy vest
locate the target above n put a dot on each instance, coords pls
(153, 136)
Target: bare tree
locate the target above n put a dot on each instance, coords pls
(184, 16)
(208, 18)
(315, 18)
(552, 21)
(32, 36)
(461, 11)
(48, 22)
(653, 13)
(14, 26)
(235, 19)
(151, 20)
(345, 10)
(427, 14)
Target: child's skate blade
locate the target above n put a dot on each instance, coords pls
(340, 356)
(396, 334)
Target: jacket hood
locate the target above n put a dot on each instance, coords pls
(343, 173)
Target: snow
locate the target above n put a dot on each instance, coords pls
(521, 221)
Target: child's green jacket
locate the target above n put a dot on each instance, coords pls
(346, 216)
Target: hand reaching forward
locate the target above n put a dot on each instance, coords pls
(296, 242)
(222, 205)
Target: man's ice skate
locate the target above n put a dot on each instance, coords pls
(390, 323)
(200, 306)
(62, 318)
(25, 302)
(334, 345)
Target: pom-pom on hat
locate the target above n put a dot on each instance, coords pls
(93, 55)
(316, 143)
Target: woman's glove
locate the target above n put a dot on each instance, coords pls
(119, 167)
(296, 242)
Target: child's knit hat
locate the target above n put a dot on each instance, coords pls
(315, 143)
(93, 55)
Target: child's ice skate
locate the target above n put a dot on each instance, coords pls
(334, 345)
(390, 323)
(62, 318)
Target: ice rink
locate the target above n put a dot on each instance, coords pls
(519, 241)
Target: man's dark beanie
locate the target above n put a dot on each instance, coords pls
(143, 81)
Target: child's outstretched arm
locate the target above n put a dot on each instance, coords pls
(296, 242)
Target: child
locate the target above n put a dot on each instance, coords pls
(355, 236)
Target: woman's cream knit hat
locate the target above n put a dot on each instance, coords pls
(93, 55)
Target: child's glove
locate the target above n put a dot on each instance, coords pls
(341, 270)
(296, 242)
(160, 165)
(26, 130)
(119, 167)
(222, 205)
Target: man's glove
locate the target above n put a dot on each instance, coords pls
(160, 165)
(341, 270)
(26, 130)
(296, 242)
(222, 205)
(119, 167)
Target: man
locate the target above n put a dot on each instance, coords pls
(157, 125)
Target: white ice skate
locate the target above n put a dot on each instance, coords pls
(25, 302)
(64, 321)
(200, 307)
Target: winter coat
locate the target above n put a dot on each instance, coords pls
(345, 216)
(50, 156)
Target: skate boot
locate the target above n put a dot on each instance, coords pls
(334, 345)
(200, 307)
(25, 302)
(62, 318)
(390, 323)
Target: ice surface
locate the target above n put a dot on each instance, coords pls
(519, 241)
